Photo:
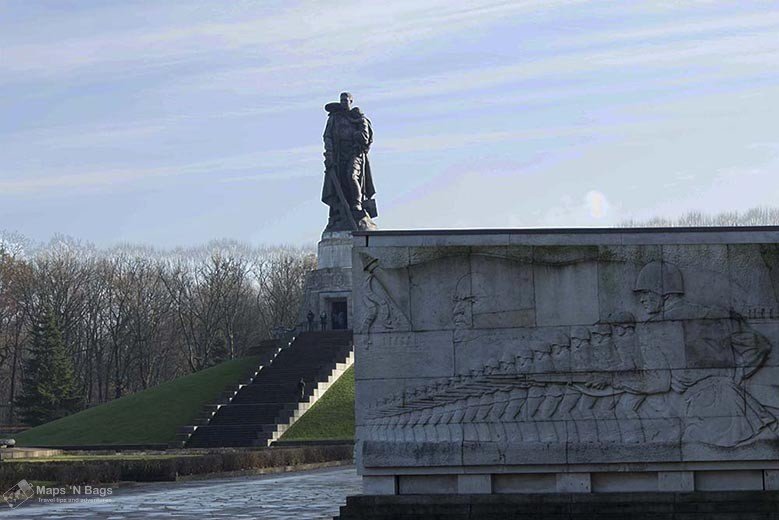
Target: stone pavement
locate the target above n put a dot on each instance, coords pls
(300, 496)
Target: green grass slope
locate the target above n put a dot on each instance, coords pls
(147, 417)
(331, 417)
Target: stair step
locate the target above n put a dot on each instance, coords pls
(260, 410)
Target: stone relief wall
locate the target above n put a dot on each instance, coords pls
(566, 354)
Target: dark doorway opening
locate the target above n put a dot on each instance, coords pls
(338, 315)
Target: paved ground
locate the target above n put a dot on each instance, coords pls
(300, 496)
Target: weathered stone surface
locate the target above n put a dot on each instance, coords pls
(334, 250)
(478, 453)
(623, 482)
(500, 293)
(754, 273)
(706, 280)
(661, 344)
(427, 484)
(566, 293)
(747, 480)
(771, 479)
(434, 290)
(676, 481)
(379, 485)
(474, 484)
(663, 442)
(403, 354)
(573, 483)
(645, 353)
(525, 483)
(424, 454)
(426, 253)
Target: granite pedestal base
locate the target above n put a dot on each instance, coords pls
(743, 505)
(328, 288)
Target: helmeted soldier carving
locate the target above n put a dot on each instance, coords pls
(348, 137)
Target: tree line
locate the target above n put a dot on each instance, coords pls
(760, 216)
(120, 320)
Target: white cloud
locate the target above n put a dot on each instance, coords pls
(597, 204)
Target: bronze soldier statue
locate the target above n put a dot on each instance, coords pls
(348, 187)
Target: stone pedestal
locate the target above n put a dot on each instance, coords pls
(328, 289)
(335, 250)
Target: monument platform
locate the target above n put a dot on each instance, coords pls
(738, 505)
(595, 361)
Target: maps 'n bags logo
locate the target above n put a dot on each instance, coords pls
(18, 494)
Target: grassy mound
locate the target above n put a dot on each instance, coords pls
(148, 417)
(331, 417)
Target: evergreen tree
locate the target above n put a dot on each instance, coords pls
(49, 386)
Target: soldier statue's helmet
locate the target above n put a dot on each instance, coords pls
(580, 332)
(660, 278)
(543, 348)
(603, 329)
(559, 339)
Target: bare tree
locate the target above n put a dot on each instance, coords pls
(760, 216)
(280, 278)
(133, 316)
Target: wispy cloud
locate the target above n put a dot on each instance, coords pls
(687, 29)
(758, 48)
(273, 161)
(490, 100)
(284, 163)
(317, 34)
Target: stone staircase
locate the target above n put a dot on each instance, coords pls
(259, 412)
(266, 351)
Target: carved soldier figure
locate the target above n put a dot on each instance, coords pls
(717, 406)
(348, 137)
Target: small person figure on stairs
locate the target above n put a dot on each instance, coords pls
(310, 318)
(302, 389)
(323, 320)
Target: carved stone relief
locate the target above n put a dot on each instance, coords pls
(674, 365)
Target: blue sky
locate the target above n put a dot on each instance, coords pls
(177, 122)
